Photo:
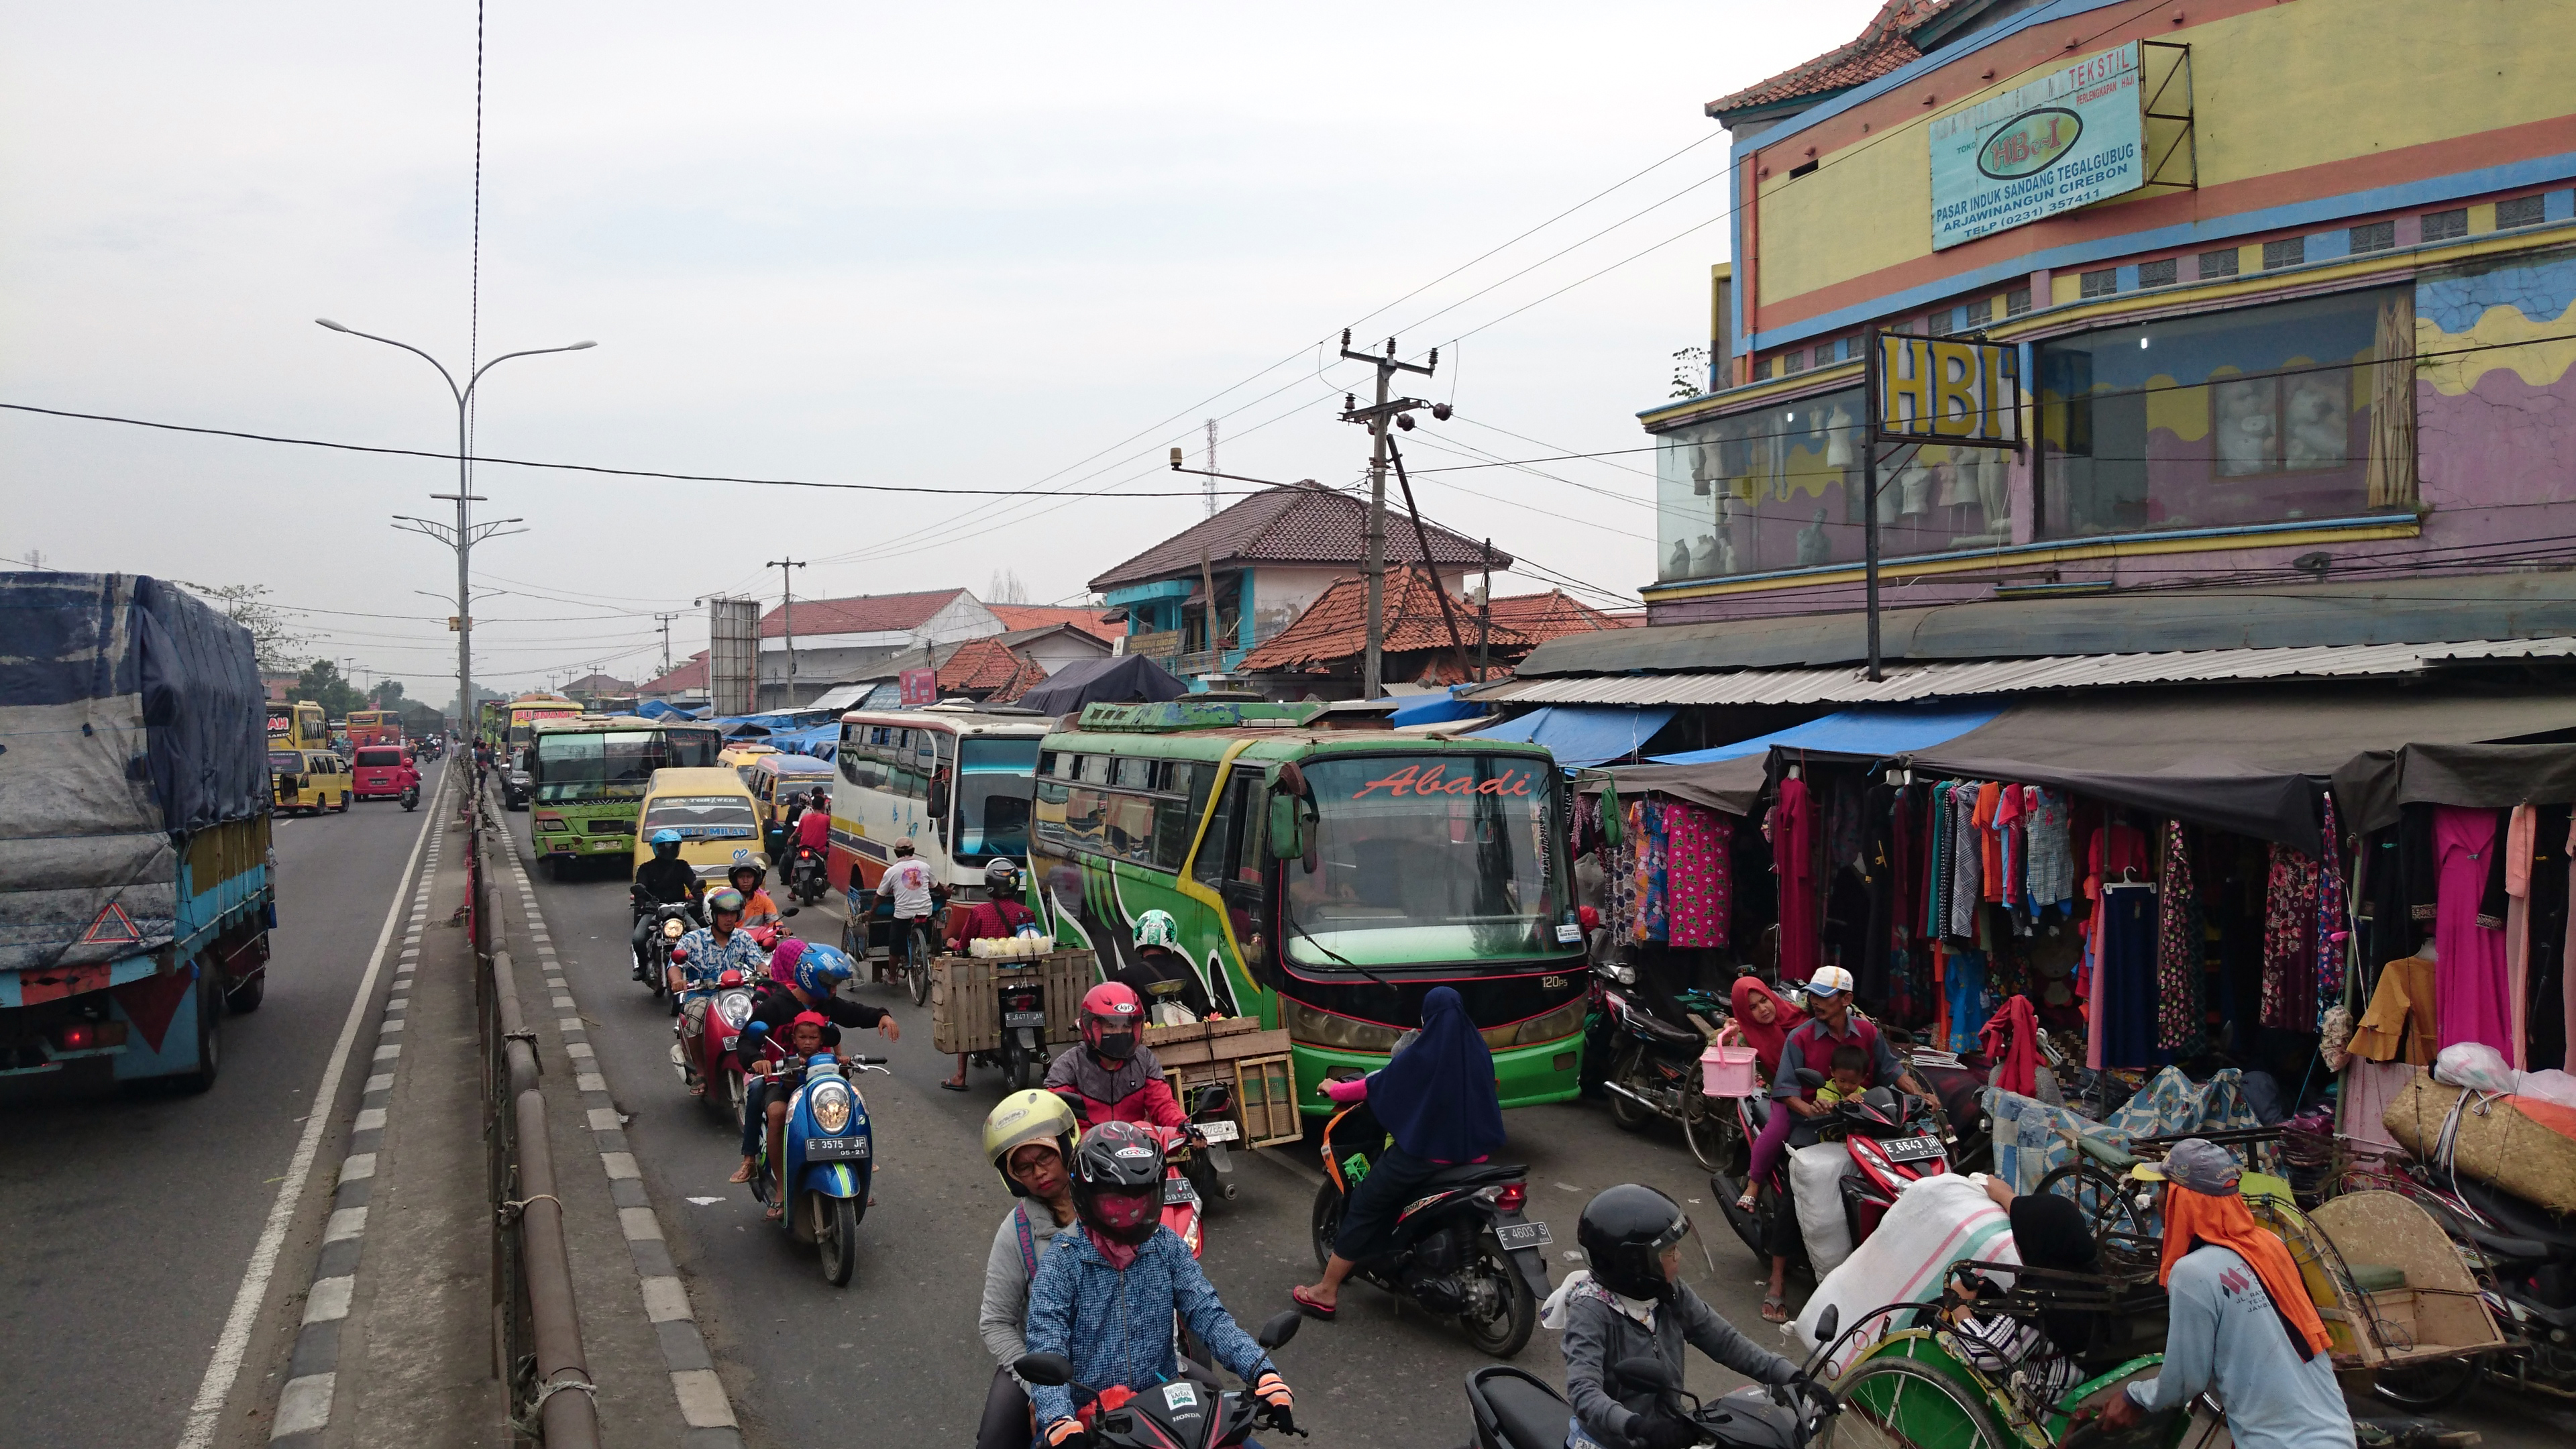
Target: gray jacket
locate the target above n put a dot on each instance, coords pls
(1004, 1317)
(1599, 1335)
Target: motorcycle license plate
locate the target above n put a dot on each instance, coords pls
(1220, 1132)
(1522, 1235)
(1023, 1018)
(836, 1149)
(1177, 1190)
(1912, 1149)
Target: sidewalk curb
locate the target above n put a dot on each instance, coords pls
(304, 1405)
(704, 1405)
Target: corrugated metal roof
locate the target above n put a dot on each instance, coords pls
(2013, 676)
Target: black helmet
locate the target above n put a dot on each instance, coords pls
(1117, 1172)
(1624, 1232)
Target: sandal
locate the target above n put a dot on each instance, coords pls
(1311, 1307)
(1745, 1203)
(775, 1213)
(741, 1174)
(1775, 1308)
(952, 1086)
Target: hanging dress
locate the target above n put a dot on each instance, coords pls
(2470, 986)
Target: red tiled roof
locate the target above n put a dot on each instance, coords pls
(1335, 626)
(1306, 524)
(1881, 48)
(866, 614)
(689, 676)
(1545, 616)
(988, 664)
(1085, 617)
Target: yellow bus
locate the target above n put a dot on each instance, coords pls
(299, 725)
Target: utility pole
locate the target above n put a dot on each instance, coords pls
(1377, 417)
(1485, 613)
(787, 622)
(665, 621)
(1210, 485)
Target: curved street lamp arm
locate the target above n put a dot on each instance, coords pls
(405, 346)
(506, 356)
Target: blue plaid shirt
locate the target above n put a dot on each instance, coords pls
(707, 961)
(1117, 1327)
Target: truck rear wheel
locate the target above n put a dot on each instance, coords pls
(245, 997)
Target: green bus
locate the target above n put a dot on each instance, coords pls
(1324, 880)
(587, 776)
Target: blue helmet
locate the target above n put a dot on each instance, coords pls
(821, 968)
(663, 837)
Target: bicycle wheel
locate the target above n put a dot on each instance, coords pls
(917, 969)
(1896, 1403)
(1708, 1125)
(2108, 1208)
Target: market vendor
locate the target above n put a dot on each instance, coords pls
(2241, 1326)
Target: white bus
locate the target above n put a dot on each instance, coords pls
(953, 780)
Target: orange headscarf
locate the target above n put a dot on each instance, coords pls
(2193, 1218)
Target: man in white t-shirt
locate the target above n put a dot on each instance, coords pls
(908, 881)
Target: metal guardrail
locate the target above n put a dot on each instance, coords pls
(536, 1334)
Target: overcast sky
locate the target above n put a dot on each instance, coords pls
(989, 246)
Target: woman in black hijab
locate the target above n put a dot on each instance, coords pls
(2048, 1232)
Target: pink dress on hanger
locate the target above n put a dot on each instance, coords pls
(2471, 992)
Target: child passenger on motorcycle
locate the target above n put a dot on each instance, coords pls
(757, 907)
(1633, 1304)
(819, 969)
(1105, 1295)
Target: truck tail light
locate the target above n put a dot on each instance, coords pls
(84, 1035)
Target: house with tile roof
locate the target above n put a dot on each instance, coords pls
(1320, 653)
(684, 685)
(840, 639)
(989, 671)
(1270, 556)
(1089, 618)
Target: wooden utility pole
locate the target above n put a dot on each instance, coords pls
(787, 622)
(1379, 416)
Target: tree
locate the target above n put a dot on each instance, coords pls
(388, 694)
(322, 683)
(1690, 372)
(1005, 587)
(273, 642)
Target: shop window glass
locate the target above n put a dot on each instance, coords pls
(2098, 284)
(2260, 415)
(2376, 236)
(2158, 274)
(2287, 252)
(2445, 225)
(2520, 211)
(2016, 301)
(1779, 488)
(2218, 264)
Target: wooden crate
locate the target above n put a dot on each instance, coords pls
(1265, 1095)
(1178, 1046)
(965, 1010)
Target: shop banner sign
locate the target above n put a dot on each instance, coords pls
(1945, 390)
(2068, 139)
(919, 686)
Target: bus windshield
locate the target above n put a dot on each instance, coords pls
(702, 817)
(613, 764)
(1428, 859)
(993, 782)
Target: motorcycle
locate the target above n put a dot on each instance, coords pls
(1462, 1248)
(1022, 1054)
(1654, 1072)
(1183, 1413)
(1514, 1409)
(829, 1159)
(411, 796)
(711, 1021)
(671, 921)
(1210, 1166)
(806, 878)
(1892, 1138)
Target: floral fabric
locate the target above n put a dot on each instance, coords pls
(2180, 1013)
(2290, 941)
(1699, 888)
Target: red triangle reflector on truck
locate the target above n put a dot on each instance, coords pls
(112, 928)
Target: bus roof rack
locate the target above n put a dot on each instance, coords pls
(1173, 716)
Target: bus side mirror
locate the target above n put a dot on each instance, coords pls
(1287, 826)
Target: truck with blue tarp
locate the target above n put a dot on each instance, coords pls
(136, 894)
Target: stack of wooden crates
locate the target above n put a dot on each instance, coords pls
(966, 1012)
(1236, 1051)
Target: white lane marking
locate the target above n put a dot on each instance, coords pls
(233, 1343)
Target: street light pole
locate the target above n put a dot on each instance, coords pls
(463, 537)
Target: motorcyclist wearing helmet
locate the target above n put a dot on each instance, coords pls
(1104, 1296)
(665, 879)
(998, 916)
(1111, 1075)
(1029, 1139)
(1631, 1303)
(819, 970)
(1160, 973)
(707, 953)
(746, 875)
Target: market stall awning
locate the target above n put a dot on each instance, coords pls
(1118, 679)
(2372, 787)
(1885, 730)
(1437, 706)
(1582, 735)
(2251, 759)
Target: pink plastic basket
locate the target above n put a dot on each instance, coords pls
(1726, 1069)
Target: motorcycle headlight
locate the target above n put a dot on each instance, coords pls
(830, 1104)
(673, 930)
(735, 1008)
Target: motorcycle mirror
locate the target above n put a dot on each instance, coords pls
(1047, 1370)
(755, 1028)
(1829, 1321)
(1277, 1332)
(1654, 1373)
(679, 953)
(1810, 1077)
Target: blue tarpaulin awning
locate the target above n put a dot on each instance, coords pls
(1583, 734)
(1437, 707)
(1866, 730)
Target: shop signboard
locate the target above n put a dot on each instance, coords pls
(2068, 139)
(1948, 390)
(919, 686)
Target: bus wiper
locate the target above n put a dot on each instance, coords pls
(1290, 916)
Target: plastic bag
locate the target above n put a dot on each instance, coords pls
(2549, 1086)
(2475, 1066)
